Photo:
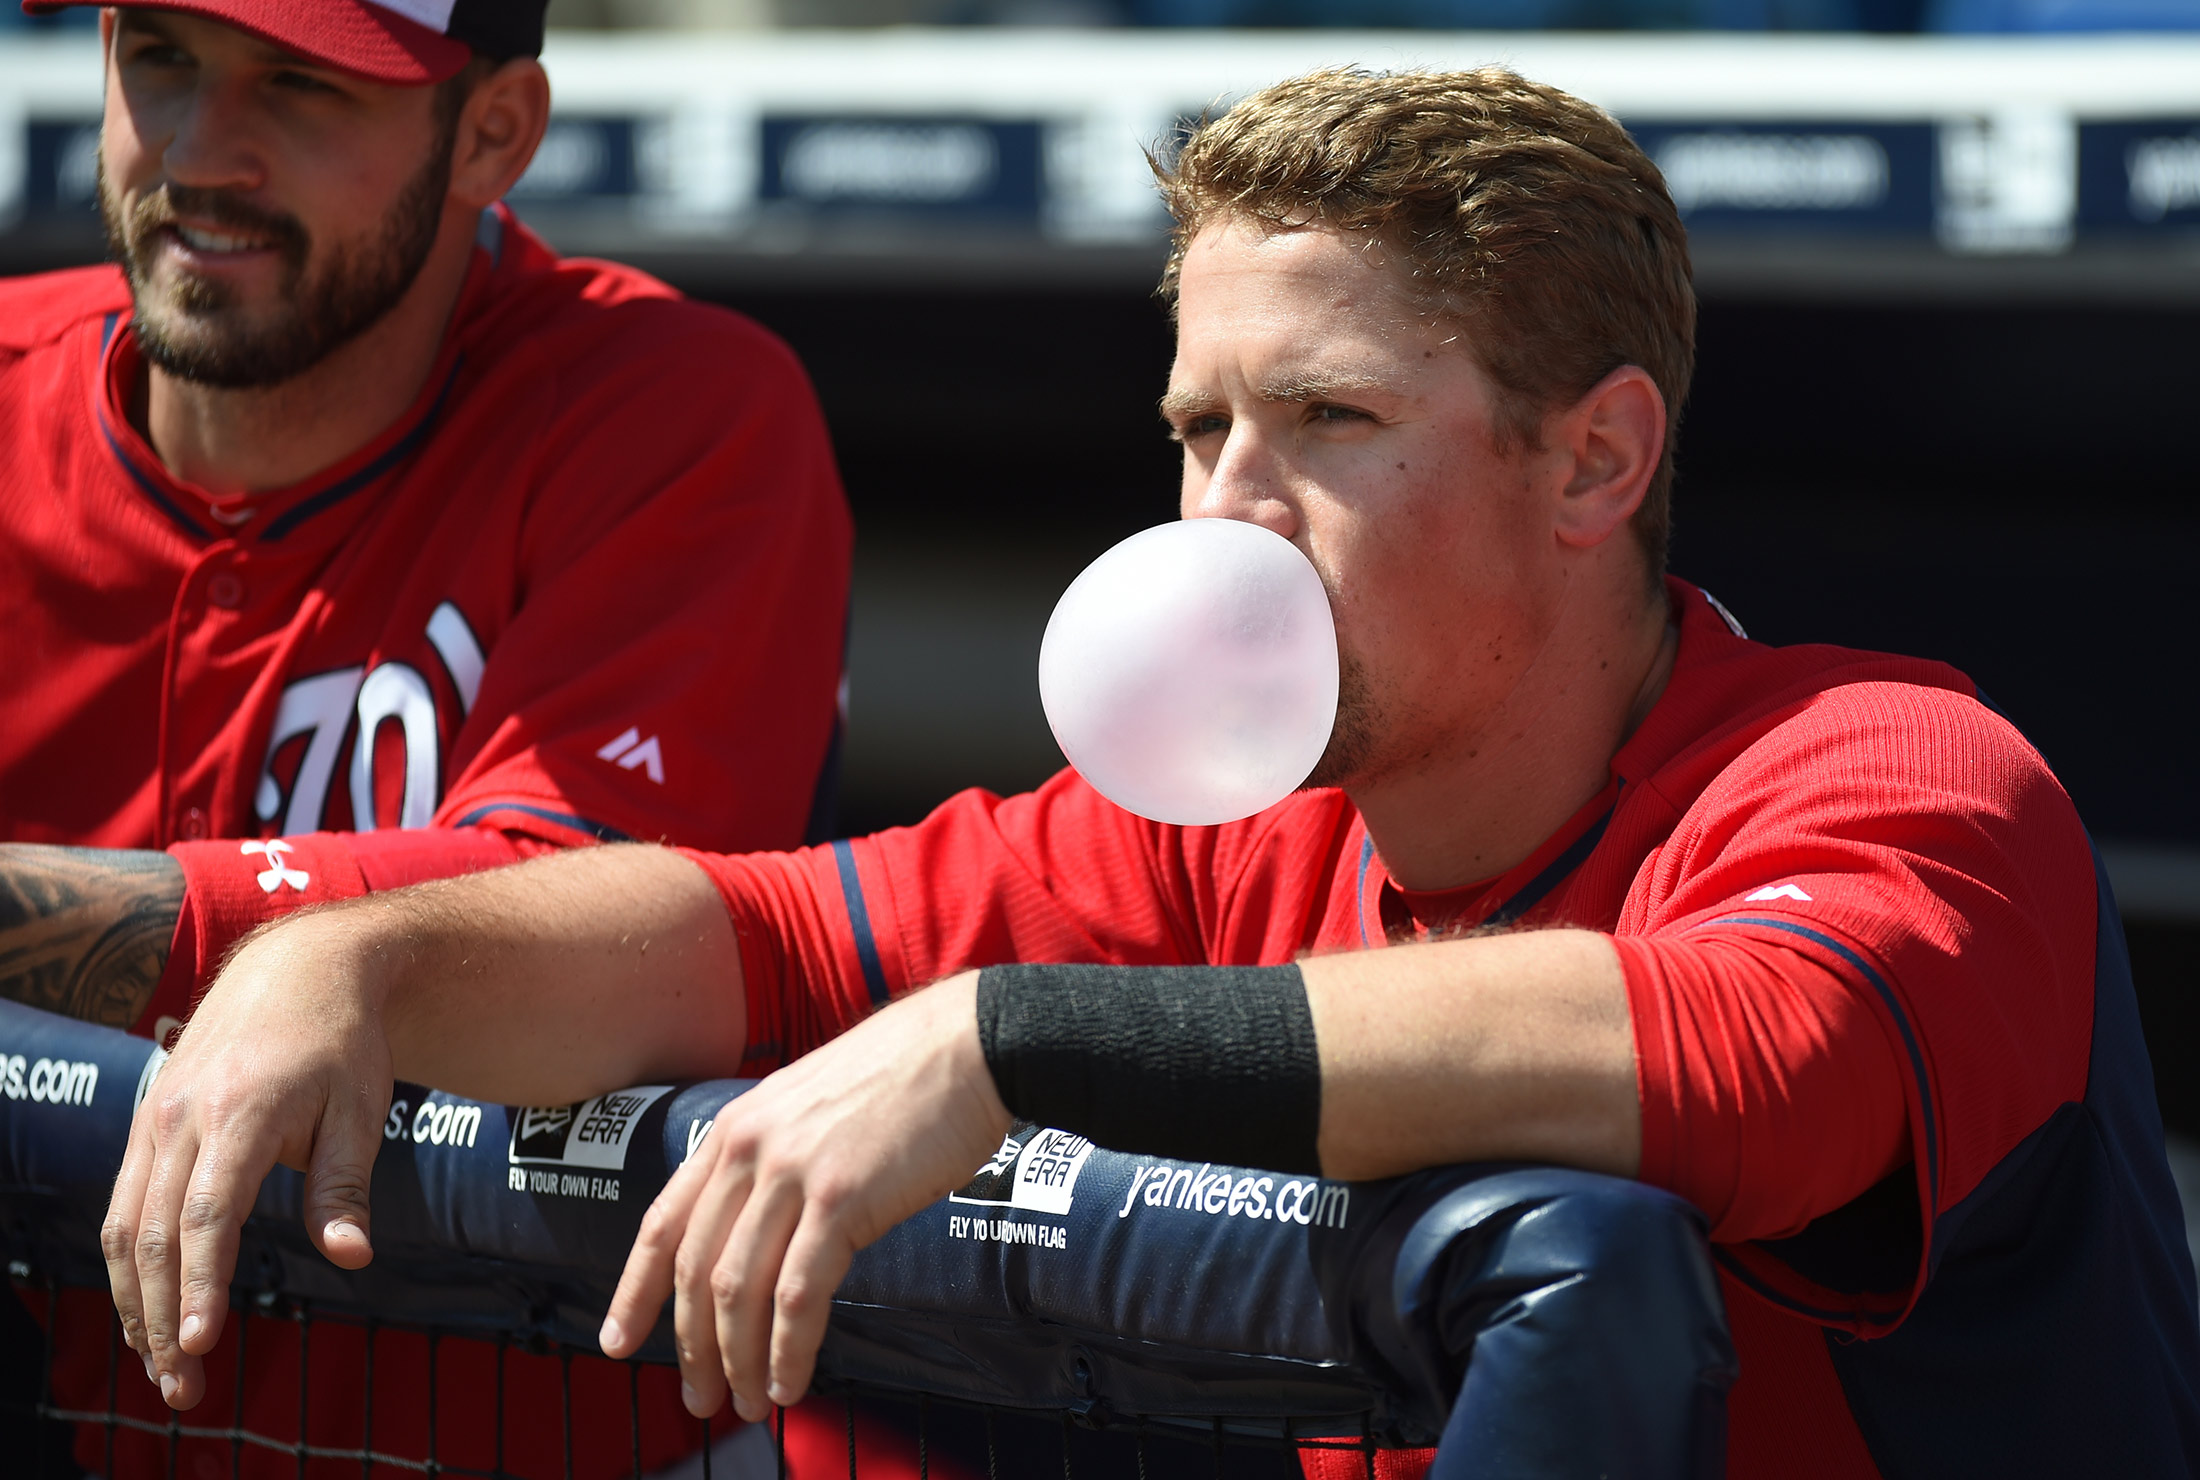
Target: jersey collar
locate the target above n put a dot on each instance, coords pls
(1708, 636)
(1703, 668)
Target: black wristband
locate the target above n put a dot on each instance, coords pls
(1199, 1063)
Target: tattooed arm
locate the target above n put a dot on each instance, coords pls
(85, 931)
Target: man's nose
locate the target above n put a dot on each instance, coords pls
(212, 145)
(1248, 483)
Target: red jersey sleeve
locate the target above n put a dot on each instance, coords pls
(1886, 895)
(1059, 874)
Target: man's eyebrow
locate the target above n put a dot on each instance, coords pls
(1182, 405)
(1178, 405)
(1322, 386)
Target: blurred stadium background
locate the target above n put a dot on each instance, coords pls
(1948, 250)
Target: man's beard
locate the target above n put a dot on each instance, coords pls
(197, 331)
(1352, 739)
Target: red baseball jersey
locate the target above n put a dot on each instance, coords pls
(1861, 936)
(591, 585)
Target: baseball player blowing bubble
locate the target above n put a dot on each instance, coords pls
(1794, 960)
(350, 537)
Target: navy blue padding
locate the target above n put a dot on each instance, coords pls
(1062, 1278)
(1576, 1316)
(2057, 1335)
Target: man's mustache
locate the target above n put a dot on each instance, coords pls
(220, 210)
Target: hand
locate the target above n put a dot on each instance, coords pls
(286, 1060)
(752, 1236)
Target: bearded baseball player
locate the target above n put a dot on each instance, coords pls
(1799, 950)
(349, 536)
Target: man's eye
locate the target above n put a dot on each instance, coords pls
(301, 82)
(1194, 427)
(159, 54)
(1322, 411)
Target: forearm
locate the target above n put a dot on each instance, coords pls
(1500, 1047)
(86, 931)
(549, 981)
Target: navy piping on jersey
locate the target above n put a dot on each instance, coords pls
(597, 830)
(1367, 856)
(1924, 1097)
(1542, 884)
(1894, 1008)
(145, 485)
(336, 493)
(859, 920)
(1531, 894)
(1740, 1271)
(1901, 1021)
(151, 489)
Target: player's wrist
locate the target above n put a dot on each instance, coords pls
(1202, 1063)
(338, 959)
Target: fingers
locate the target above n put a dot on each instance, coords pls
(694, 1322)
(159, 1233)
(338, 1175)
(816, 1261)
(118, 1235)
(224, 1186)
(647, 1278)
(742, 1281)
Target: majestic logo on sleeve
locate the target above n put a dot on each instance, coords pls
(631, 752)
(390, 705)
(277, 873)
(1778, 891)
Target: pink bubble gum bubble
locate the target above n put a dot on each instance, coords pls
(1190, 673)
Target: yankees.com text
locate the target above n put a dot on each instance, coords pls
(1220, 1193)
(48, 1081)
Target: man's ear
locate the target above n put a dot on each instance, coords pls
(498, 130)
(1612, 440)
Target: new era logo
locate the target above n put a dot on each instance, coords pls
(1778, 891)
(632, 753)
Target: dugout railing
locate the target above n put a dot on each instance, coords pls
(1127, 1294)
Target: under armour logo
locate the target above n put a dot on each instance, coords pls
(277, 873)
(1778, 891)
(629, 756)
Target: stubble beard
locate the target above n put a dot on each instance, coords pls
(194, 328)
(1352, 739)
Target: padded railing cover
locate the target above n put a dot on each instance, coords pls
(1063, 1277)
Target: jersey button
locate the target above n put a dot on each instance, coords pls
(225, 590)
(194, 824)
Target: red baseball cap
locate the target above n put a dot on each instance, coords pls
(401, 41)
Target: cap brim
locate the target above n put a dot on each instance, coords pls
(350, 35)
